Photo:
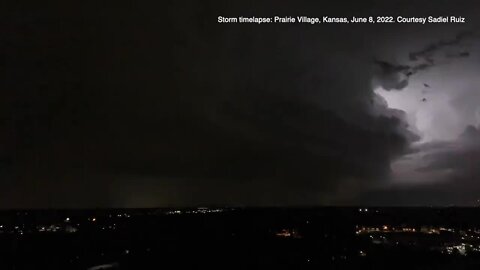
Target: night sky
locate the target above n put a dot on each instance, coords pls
(155, 104)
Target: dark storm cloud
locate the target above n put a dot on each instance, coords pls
(268, 114)
(460, 156)
(442, 172)
(427, 54)
(393, 76)
(160, 105)
(271, 106)
(456, 161)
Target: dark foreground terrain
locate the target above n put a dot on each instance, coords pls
(238, 238)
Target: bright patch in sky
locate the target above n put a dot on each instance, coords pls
(439, 105)
(429, 111)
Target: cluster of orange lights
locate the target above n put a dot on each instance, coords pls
(384, 229)
(388, 229)
(287, 233)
